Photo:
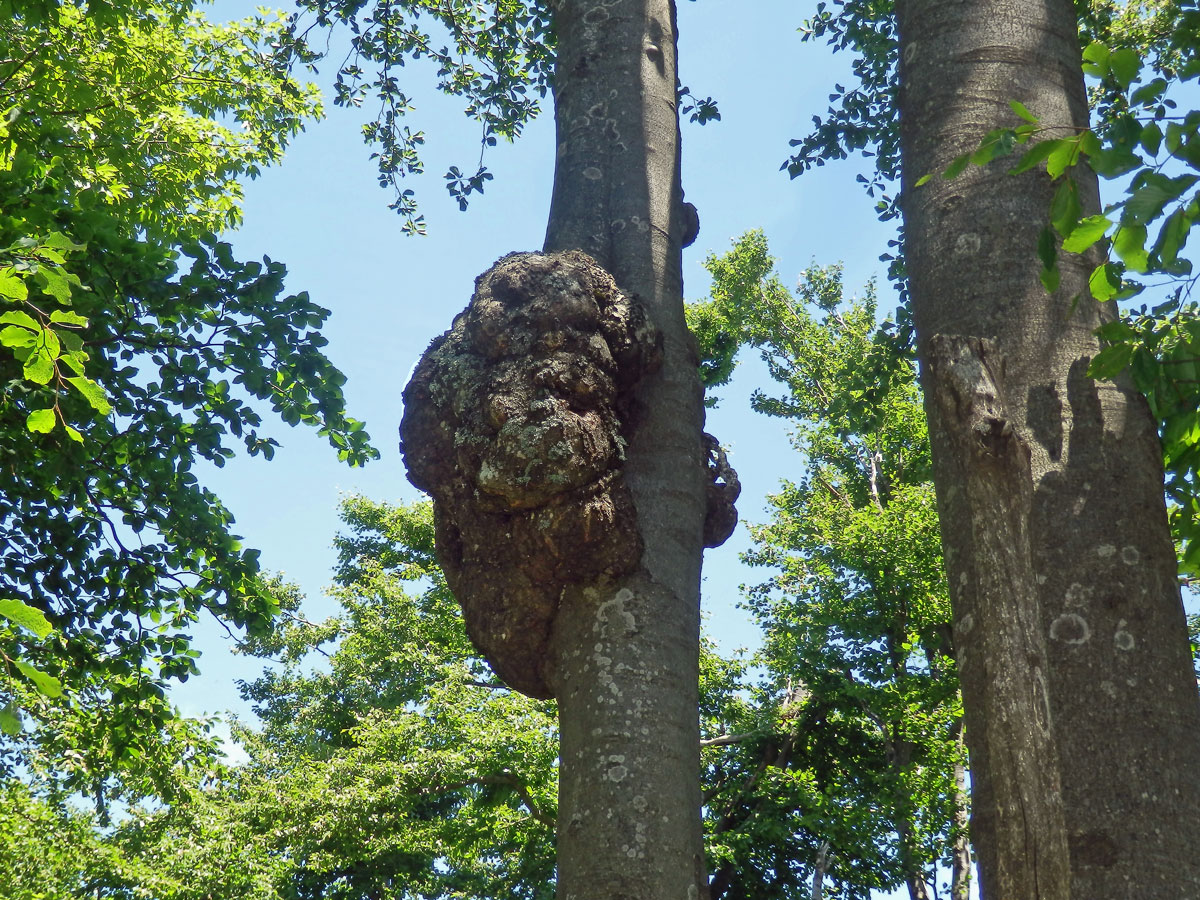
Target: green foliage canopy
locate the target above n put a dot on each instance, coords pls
(134, 346)
(858, 714)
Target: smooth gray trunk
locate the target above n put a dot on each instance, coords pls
(1061, 566)
(625, 655)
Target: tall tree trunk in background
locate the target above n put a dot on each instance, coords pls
(1061, 566)
(960, 863)
(625, 656)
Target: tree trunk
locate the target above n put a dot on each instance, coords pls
(1061, 566)
(818, 882)
(625, 656)
(960, 863)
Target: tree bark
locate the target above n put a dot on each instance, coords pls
(1062, 570)
(818, 882)
(960, 863)
(624, 664)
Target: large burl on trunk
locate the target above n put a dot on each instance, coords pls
(515, 421)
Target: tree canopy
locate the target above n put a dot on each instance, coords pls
(135, 346)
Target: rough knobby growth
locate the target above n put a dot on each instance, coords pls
(514, 423)
(721, 493)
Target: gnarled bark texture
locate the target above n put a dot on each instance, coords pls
(1087, 602)
(624, 663)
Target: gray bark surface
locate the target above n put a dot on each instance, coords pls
(1092, 599)
(624, 655)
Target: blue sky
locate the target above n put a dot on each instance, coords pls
(322, 213)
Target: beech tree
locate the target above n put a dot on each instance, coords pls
(1081, 709)
(608, 622)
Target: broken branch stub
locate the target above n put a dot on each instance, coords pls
(513, 422)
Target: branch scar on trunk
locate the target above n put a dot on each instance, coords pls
(515, 422)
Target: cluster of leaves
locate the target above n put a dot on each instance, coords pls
(858, 716)
(497, 56)
(137, 346)
(862, 118)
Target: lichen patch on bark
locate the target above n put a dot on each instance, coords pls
(514, 421)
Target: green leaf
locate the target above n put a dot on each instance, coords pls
(1019, 108)
(41, 421)
(1062, 156)
(956, 166)
(1065, 208)
(1145, 369)
(12, 288)
(1125, 64)
(39, 367)
(16, 317)
(17, 336)
(923, 179)
(55, 284)
(10, 719)
(1171, 237)
(1047, 248)
(1050, 279)
(1095, 59)
(59, 241)
(1116, 330)
(996, 143)
(1129, 243)
(47, 685)
(67, 317)
(1086, 233)
(1149, 92)
(73, 434)
(1151, 138)
(20, 613)
(93, 392)
(1034, 155)
(1103, 284)
(1110, 361)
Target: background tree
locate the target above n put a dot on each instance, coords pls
(135, 345)
(1069, 630)
(850, 755)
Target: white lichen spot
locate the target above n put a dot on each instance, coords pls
(1078, 595)
(966, 623)
(962, 579)
(1070, 628)
(613, 611)
(1109, 688)
(1130, 555)
(910, 52)
(693, 892)
(967, 244)
(1041, 579)
(639, 802)
(1104, 551)
(631, 853)
(1122, 639)
(591, 173)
